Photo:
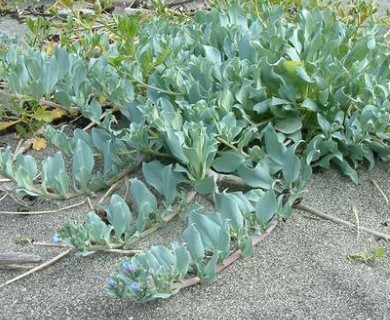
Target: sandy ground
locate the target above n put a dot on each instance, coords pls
(300, 272)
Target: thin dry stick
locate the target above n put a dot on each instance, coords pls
(4, 196)
(16, 266)
(43, 211)
(91, 124)
(126, 189)
(122, 251)
(49, 244)
(42, 101)
(357, 222)
(341, 221)
(179, 3)
(18, 145)
(109, 191)
(24, 146)
(15, 198)
(232, 146)
(3, 180)
(40, 267)
(18, 258)
(380, 190)
(19, 201)
(93, 248)
(54, 105)
(126, 172)
(90, 205)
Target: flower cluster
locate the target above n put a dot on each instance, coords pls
(129, 267)
(55, 239)
(144, 283)
(73, 234)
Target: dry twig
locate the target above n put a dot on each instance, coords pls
(375, 184)
(357, 222)
(16, 266)
(4, 196)
(341, 221)
(43, 211)
(8, 193)
(49, 244)
(40, 267)
(90, 204)
(109, 191)
(7, 258)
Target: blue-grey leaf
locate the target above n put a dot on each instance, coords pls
(230, 210)
(229, 161)
(210, 269)
(258, 177)
(82, 157)
(266, 207)
(288, 125)
(119, 215)
(194, 243)
(175, 142)
(164, 256)
(291, 167)
(213, 55)
(205, 186)
(50, 76)
(145, 201)
(275, 149)
(212, 231)
(98, 231)
(162, 178)
(183, 260)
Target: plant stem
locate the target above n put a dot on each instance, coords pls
(177, 286)
(232, 146)
(42, 101)
(159, 154)
(168, 217)
(157, 89)
(126, 172)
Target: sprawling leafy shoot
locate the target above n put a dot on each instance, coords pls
(242, 97)
(121, 227)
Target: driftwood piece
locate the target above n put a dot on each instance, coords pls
(7, 258)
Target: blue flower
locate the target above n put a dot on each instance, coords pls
(55, 239)
(111, 282)
(135, 286)
(129, 267)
